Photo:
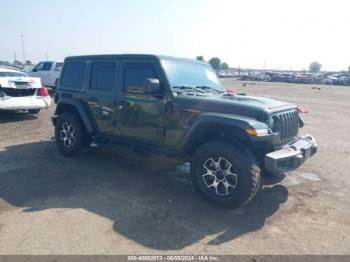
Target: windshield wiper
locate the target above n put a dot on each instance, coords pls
(190, 87)
(208, 87)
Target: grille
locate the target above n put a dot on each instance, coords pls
(289, 125)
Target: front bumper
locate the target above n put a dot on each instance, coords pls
(291, 156)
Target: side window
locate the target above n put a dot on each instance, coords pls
(58, 66)
(47, 66)
(134, 75)
(73, 75)
(103, 75)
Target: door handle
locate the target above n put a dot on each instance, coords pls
(122, 104)
(93, 99)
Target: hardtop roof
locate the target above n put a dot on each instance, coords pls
(132, 56)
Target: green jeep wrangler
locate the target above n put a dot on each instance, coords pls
(178, 107)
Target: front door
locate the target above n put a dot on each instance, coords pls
(140, 116)
(45, 73)
(101, 93)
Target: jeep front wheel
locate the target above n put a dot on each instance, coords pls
(226, 174)
(69, 134)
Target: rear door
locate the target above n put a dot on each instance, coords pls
(101, 94)
(140, 116)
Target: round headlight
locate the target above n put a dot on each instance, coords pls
(276, 124)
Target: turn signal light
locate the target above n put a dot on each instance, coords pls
(251, 132)
(302, 109)
(257, 132)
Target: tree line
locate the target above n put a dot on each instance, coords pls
(215, 63)
(16, 63)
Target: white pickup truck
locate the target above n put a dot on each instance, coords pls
(48, 71)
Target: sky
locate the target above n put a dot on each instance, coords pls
(270, 34)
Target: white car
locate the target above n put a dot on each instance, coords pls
(21, 92)
(48, 71)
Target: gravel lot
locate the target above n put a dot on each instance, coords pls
(107, 202)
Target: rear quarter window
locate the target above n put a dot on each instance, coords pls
(73, 75)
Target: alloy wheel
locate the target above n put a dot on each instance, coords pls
(67, 135)
(218, 176)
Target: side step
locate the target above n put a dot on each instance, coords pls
(139, 150)
(142, 151)
(100, 141)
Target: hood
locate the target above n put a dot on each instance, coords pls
(249, 106)
(20, 82)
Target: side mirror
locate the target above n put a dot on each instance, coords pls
(34, 70)
(151, 86)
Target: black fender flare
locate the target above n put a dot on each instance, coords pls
(79, 107)
(235, 121)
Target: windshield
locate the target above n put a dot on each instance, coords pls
(11, 74)
(183, 73)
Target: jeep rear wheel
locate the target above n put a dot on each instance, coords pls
(69, 134)
(225, 174)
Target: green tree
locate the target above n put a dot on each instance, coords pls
(215, 63)
(17, 63)
(200, 58)
(28, 63)
(315, 67)
(224, 66)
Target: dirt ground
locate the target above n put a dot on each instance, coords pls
(106, 202)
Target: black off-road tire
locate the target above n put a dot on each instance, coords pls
(244, 164)
(272, 178)
(33, 111)
(79, 133)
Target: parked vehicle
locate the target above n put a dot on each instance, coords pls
(330, 80)
(222, 74)
(178, 107)
(346, 80)
(20, 92)
(48, 71)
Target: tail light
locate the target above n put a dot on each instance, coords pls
(302, 109)
(44, 91)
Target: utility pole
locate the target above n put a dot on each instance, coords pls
(14, 53)
(46, 56)
(23, 51)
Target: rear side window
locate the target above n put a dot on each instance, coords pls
(103, 75)
(47, 66)
(58, 66)
(73, 75)
(134, 76)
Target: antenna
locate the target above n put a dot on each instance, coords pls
(23, 52)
